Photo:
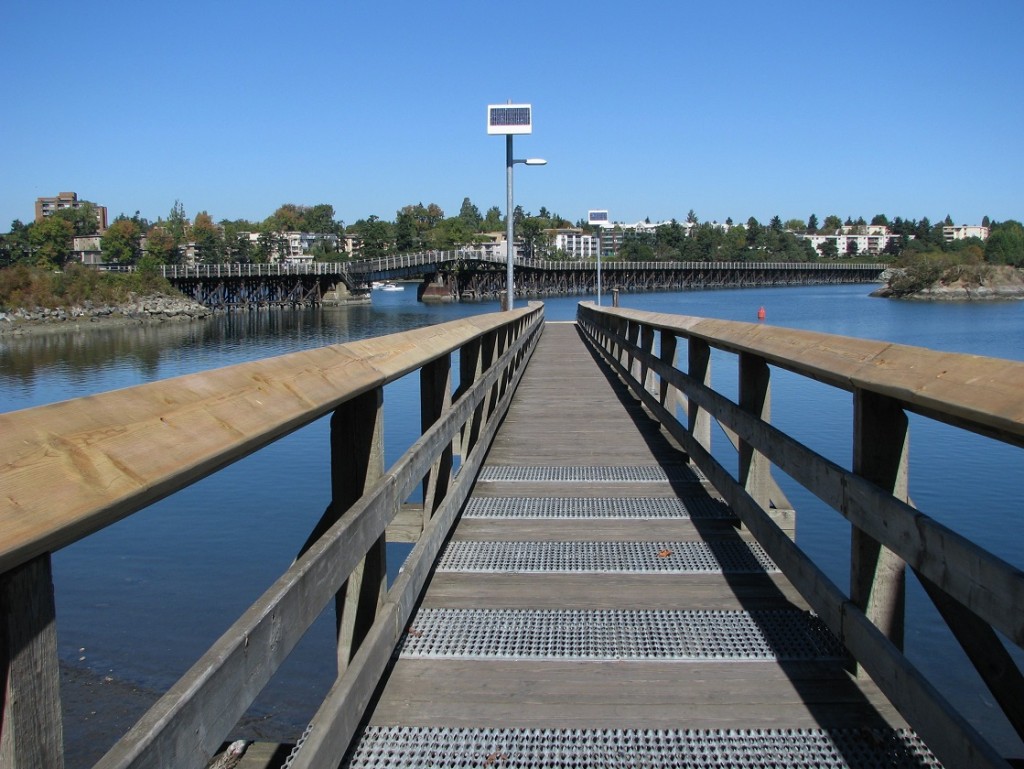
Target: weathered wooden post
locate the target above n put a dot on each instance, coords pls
(668, 395)
(435, 401)
(881, 443)
(698, 354)
(755, 398)
(357, 462)
(470, 369)
(31, 730)
(646, 377)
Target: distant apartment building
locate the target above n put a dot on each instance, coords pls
(297, 247)
(953, 232)
(575, 243)
(86, 249)
(47, 206)
(866, 239)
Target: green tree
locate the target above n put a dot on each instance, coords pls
(161, 247)
(407, 236)
(208, 240)
(493, 220)
(1005, 244)
(320, 219)
(795, 225)
(267, 245)
(82, 219)
(754, 236)
(177, 223)
(828, 249)
(637, 247)
(450, 234)
(812, 224)
(470, 215)
(287, 218)
(832, 224)
(879, 220)
(376, 236)
(531, 233)
(121, 242)
(51, 241)
(691, 217)
(15, 247)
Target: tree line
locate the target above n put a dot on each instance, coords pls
(135, 240)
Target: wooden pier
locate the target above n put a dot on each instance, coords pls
(588, 587)
(595, 584)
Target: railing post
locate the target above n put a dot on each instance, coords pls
(699, 367)
(31, 731)
(435, 401)
(357, 462)
(646, 377)
(470, 369)
(881, 443)
(668, 396)
(755, 398)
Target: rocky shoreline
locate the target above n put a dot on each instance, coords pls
(997, 283)
(156, 308)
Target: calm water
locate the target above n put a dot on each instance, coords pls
(143, 599)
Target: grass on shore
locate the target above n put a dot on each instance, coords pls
(23, 286)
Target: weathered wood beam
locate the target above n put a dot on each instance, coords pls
(755, 398)
(435, 402)
(31, 732)
(357, 463)
(986, 652)
(698, 355)
(881, 441)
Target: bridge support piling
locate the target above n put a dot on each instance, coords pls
(31, 730)
(880, 454)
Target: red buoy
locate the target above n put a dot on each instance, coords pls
(760, 313)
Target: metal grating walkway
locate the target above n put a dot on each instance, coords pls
(598, 508)
(606, 557)
(443, 748)
(616, 635)
(601, 474)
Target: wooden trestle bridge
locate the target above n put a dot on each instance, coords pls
(452, 276)
(588, 586)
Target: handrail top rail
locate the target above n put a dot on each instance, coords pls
(73, 467)
(978, 393)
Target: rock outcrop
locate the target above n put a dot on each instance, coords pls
(156, 308)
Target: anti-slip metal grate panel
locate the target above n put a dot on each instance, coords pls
(602, 508)
(606, 557)
(610, 634)
(391, 747)
(596, 474)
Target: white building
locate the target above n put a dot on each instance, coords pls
(296, 247)
(865, 239)
(575, 242)
(964, 231)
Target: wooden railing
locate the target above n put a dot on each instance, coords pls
(976, 592)
(71, 468)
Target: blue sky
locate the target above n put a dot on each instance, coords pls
(732, 109)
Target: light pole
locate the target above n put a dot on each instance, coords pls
(510, 119)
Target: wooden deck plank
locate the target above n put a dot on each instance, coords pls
(627, 695)
(618, 591)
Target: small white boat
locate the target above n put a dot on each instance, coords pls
(391, 287)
